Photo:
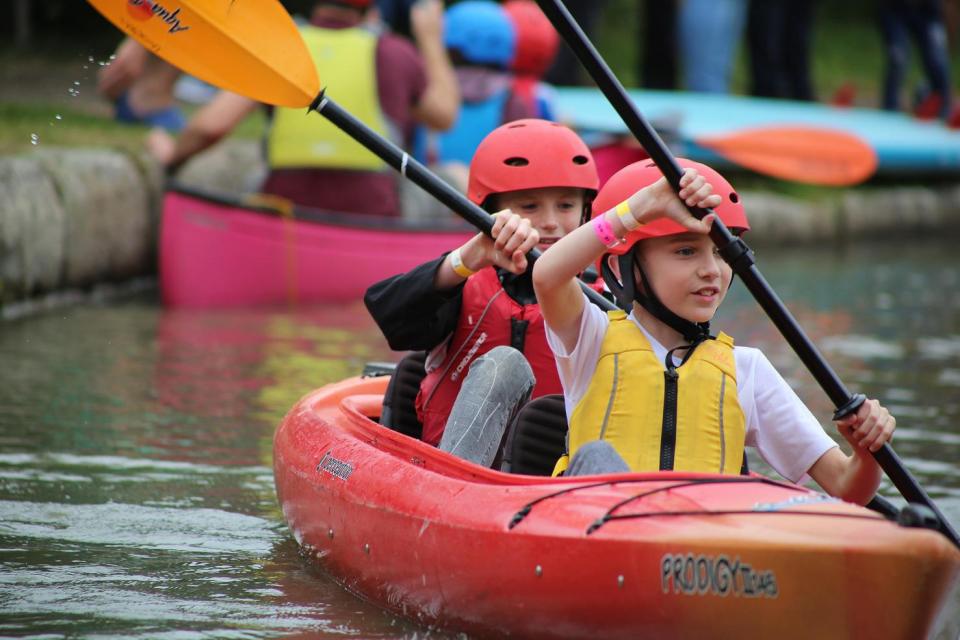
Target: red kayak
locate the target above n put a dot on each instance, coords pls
(658, 555)
(218, 251)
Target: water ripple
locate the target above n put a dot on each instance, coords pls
(182, 529)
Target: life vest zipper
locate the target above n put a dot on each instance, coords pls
(668, 433)
(518, 333)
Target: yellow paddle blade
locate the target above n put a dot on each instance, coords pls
(250, 47)
(802, 154)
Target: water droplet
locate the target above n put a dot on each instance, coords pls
(89, 58)
(58, 117)
(76, 83)
(86, 66)
(34, 139)
(102, 63)
(113, 57)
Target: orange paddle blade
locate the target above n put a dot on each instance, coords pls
(802, 154)
(250, 47)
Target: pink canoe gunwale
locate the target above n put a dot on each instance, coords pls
(220, 251)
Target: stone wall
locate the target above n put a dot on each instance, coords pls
(73, 218)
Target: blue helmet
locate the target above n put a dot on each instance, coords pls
(481, 32)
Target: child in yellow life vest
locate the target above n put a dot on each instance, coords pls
(655, 390)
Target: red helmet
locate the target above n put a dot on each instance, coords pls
(537, 40)
(633, 177)
(530, 154)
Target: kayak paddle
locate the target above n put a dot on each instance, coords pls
(737, 254)
(812, 155)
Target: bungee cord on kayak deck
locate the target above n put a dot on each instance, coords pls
(730, 512)
(525, 511)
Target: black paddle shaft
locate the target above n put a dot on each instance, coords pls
(736, 253)
(422, 177)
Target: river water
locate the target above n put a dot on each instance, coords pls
(136, 490)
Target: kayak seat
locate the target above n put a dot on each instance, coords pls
(399, 409)
(537, 437)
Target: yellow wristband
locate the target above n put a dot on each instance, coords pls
(626, 216)
(459, 268)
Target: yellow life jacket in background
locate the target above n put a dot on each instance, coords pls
(346, 60)
(686, 418)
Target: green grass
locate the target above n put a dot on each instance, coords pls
(77, 127)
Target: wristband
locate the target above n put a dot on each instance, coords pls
(605, 232)
(626, 216)
(459, 268)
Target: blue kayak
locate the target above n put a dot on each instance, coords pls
(903, 144)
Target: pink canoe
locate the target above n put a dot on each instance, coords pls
(219, 251)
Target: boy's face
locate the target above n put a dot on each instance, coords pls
(553, 211)
(687, 274)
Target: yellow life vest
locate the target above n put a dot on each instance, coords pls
(346, 62)
(628, 404)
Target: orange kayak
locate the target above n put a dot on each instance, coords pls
(658, 555)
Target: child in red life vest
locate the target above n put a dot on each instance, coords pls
(654, 390)
(474, 308)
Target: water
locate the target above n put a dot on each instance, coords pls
(136, 492)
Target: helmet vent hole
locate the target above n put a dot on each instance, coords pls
(580, 160)
(516, 161)
(734, 197)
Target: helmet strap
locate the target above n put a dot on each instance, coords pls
(627, 291)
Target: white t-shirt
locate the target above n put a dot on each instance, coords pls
(778, 425)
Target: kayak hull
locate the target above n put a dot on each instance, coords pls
(429, 536)
(216, 252)
(904, 145)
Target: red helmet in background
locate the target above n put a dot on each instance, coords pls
(530, 154)
(537, 40)
(633, 177)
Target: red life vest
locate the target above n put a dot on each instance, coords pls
(489, 318)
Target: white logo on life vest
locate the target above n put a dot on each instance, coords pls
(466, 359)
(691, 574)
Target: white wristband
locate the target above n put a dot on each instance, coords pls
(456, 261)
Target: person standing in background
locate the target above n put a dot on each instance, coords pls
(710, 33)
(381, 78)
(923, 22)
(566, 70)
(779, 37)
(658, 51)
(537, 44)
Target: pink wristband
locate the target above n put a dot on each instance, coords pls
(605, 232)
